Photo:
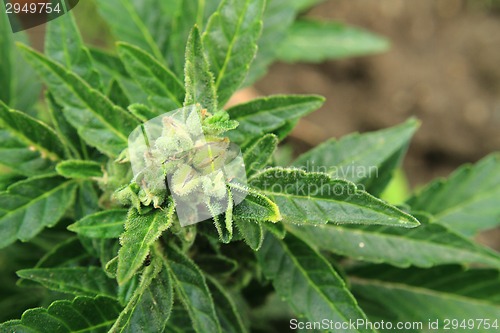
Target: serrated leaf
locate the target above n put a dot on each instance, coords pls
(479, 284)
(179, 321)
(142, 112)
(106, 224)
(252, 232)
(228, 314)
(257, 156)
(277, 229)
(266, 115)
(117, 94)
(141, 231)
(186, 15)
(66, 133)
(79, 169)
(367, 159)
(30, 205)
(64, 44)
(87, 199)
(99, 122)
(230, 41)
(307, 281)
(68, 253)
(83, 314)
(79, 281)
(255, 206)
(158, 81)
(425, 246)
(110, 62)
(31, 131)
(142, 23)
(191, 288)
(20, 159)
(199, 81)
(328, 40)
(222, 222)
(112, 69)
(216, 264)
(315, 198)
(149, 307)
(466, 202)
(426, 304)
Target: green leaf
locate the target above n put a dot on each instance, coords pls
(149, 307)
(223, 222)
(64, 44)
(117, 94)
(112, 70)
(252, 232)
(68, 253)
(316, 41)
(153, 77)
(6, 179)
(467, 202)
(20, 159)
(266, 115)
(141, 231)
(142, 23)
(99, 122)
(199, 81)
(425, 246)
(215, 264)
(30, 205)
(106, 224)
(228, 314)
(307, 281)
(83, 314)
(79, 169)
(255, 206)
(186, 15)
(142, 112)
(192, 290)
(179, 321)
(230, 41)
(277, 229)
(66, 133)
(419, 304)
(80, 281)
(315, 198)
(6, 47)
(87, 199)
(257, 156)
(31, 131)
(278, 17)
(448, 279)
(107, 62)
(365, 159)
(19, 89)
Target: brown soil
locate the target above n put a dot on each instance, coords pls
(443, 68)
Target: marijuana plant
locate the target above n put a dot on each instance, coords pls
(96, 177)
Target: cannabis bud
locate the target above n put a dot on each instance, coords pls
(182, 154)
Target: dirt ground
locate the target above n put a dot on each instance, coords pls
(443, 68)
